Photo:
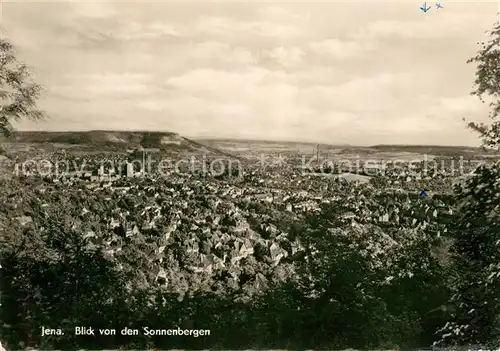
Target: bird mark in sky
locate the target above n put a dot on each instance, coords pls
(425, 8)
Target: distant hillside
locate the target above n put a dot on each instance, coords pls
(374, 148)
(169, 142)
(114, 140)
(95, 137)
(263, 145)
(438, 150)
(271, 143)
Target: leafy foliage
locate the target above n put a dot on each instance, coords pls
(475, 301)
(476, 262)
(18, 94)
(487, 84)
(213, 250)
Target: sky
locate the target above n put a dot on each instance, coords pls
(361, 73)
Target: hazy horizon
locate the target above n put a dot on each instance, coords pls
(358, 73)
(235, 139)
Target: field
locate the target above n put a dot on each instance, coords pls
(271, 247)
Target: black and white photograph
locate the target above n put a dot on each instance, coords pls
(249, 175)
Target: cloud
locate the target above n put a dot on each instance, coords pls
(288, 71)
(220, 81)
(287, 57)
(100, 10)
(341, 49)
(116, 84)
(210, 51)
(277, 13)
(218, 26)
(462, 104)
(104, 86)
(449, 26)
(370, 95)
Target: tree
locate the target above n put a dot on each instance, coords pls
(475, 304)
(18, 93)
(487, 83)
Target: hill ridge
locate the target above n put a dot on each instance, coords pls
(115, 139)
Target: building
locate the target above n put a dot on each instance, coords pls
(130, 170)
(142, 155)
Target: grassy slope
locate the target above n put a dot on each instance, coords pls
(118, 140)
